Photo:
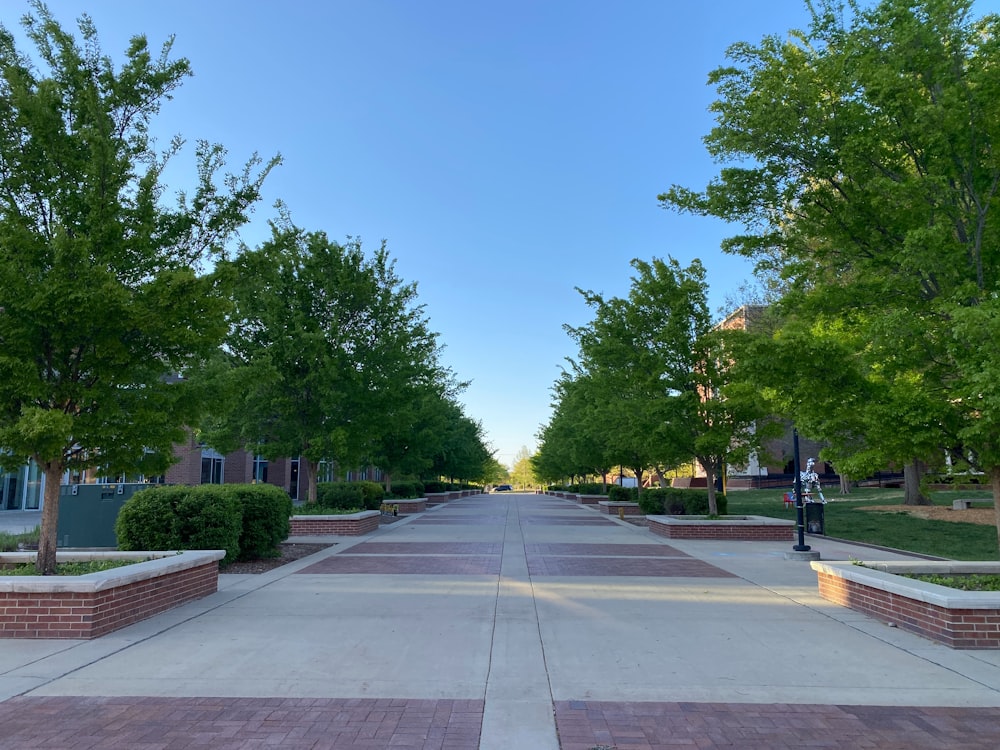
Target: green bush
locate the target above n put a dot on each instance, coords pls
(619, 494)
(675, 501)
(407, 489)
(146, 520)
(345, 495)
(164, 518)
(340, 495)
(435, 486)
(591, 488)
(266, 510)
(372, 494)
(210, 517)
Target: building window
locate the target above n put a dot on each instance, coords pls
(293, 479)
(324, 471)
(211, 467)
(259, 469)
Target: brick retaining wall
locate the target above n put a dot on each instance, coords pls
(91, 606)
(354, 524)
(765, 530)
(957, 625)
(611, 508)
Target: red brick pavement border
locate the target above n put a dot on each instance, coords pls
(406, 565)
(533, 520)
(441, 520)
(128, 723)
(554, 565)
(574, 548)
(426, 548)
(584, 725)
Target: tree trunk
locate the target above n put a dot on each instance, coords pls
(911, 481)
(845, 484)
(709, 467)
(45, 563)
(995, 482)
(388, 483)
(638, 478)
(312, 469)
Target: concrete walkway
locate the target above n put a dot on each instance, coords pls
(519, 622)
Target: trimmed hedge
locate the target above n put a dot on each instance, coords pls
(266, 510)
(589, 488)
(405, 490)
(247, 521)
(347, 495)
(620, 494)
(675, 501)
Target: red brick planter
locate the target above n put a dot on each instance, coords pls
(99, 603)
(590, 499)
(437, 498)
(410, 506)
(615, 507)
(737, 528)
(958, 619)
(352, 524)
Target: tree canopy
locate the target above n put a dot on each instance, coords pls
(105, 294)
(653, 384)
(860, 156)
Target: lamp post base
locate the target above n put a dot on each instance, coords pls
(806, 554)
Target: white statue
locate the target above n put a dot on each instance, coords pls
(810, 483)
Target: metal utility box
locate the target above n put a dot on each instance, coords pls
(87, 513)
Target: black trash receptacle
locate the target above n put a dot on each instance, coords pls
(815, 518)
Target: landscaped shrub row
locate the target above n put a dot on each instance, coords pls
(675, 501)
(589, 488)
(248, 521)
(405, 490)
(619, 494)
(348, 495)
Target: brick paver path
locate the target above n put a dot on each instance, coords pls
(226, 723)
(238, 723)
(584, 725)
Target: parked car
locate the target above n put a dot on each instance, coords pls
(503, 488)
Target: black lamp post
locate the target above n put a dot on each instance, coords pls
(800, 522)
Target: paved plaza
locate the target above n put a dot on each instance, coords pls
(513, 622)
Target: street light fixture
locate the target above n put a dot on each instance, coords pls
(800, 523)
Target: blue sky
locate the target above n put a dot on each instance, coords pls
(508, 152)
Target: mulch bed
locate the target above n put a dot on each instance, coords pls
(290, 552)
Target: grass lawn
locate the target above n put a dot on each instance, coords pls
(846, 519)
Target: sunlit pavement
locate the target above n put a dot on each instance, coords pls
(508, 621)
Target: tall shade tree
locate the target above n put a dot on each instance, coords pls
(861, 156)
(665, 370)
(329, 346)
(101, 296)
(462, 451)
(574, 441)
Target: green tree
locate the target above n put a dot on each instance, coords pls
(331, 351)
(495, 472)
(523, 473)
(461, 451)
(574, 441)
(101, 296)
(665, 372)
(861, 157)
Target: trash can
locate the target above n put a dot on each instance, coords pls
(815, 518)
